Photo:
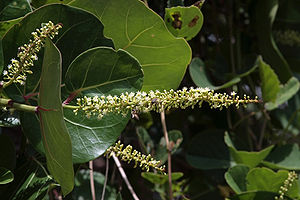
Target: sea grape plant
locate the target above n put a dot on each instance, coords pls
(76, 83)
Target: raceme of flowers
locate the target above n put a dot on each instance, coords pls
(18, 69)
(126, 154)
(292, 176)
(157, 101)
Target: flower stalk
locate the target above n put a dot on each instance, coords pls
(157, 101)
(18, 69)
(126, 154)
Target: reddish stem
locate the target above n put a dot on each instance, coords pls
(70, 97)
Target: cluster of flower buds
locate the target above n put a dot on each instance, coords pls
(18, 69)
(292, 176)
(158, 101)
(126, 154)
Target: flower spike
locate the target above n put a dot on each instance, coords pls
(18, 69)
(157, 101)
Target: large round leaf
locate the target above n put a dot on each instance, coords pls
(99, 71)
(81, 31)
(138, 30)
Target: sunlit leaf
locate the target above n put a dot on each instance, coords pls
(138, 30)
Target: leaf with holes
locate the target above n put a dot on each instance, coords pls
(55, 136)
(184, 22)
(140, 31)
(99, 71)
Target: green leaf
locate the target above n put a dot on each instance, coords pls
(159, 178)
(99, 71)
(265, 12)
(184, 22)
(8, 119)
(7, 152)
(13, 9)
(175, 139)
(269, 81)
(201, 154)
(39, 3)
(6, 25)
(236, 178)
(264, 179)
(251, 159)
(143, 33)
(256, 196)
(35, 185)
(145, 140)
(55, 136)
(199, 76)
(284, 157)
(82, 189)
(31, 127)
(81, 31)
(286, 92)
(6, 176)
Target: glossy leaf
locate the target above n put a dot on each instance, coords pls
(270, 83)
(159, 178)
(265, 12)
(13, 9)
(8, 119)
(99, 71)
(6, 176)
(251, 159)
(286, 92)
(202, 155)
(77, 24)
(236, 178)
(284, 157)
(184, 22)
(142, 33)
(55, 136)
(199, 76)
(264, 179)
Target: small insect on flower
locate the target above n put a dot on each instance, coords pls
(134, 115)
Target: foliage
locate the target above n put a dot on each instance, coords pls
(79, 75)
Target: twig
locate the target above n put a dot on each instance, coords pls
(106, 177)
(146, 3)
(163, 122)
(92, 180)
(123, 174)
